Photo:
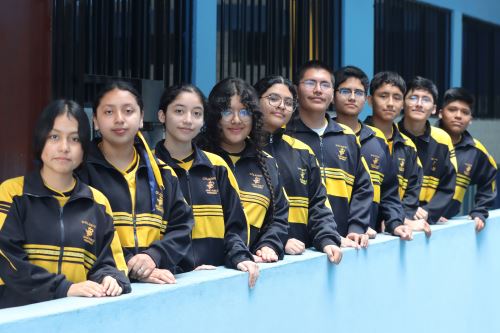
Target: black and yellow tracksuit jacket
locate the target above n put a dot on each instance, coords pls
(268, 225)
(310, 216)
(475, 167)
(46, 247)
(408, 168)
(160, 222)
(439, 164)
(220, 233)
(343, 170)
(386, 205)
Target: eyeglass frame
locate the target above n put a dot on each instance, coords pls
(281, 101)
(414, 99)
(228, 118)
(323, 85)
(358, 93)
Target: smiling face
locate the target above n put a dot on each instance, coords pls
(350, 97)
(315, 90)
(275, 117)
(386, 102)
(235, 126)
(63, 151)
(118, 117)
(419, 105)
(183, 118)
(456, 117)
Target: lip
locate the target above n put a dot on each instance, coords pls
(119, 131)
(278, 114)
(62, 159)
(456, 123)
(317, 99)
(235, 130)
(185, 129)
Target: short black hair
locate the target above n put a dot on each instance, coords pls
(387, 77)
(120, 85)
(267, 82)
(46, 120)
(345, 73)
(458, 94)
(419, 82)
(171, 93)
(313, 64)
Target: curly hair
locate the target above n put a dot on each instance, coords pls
(220, 99)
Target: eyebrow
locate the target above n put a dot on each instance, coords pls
(62, 131)
(196, 107)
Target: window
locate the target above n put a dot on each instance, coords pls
(413, 38)
(95, 41)
(480, 65)
(261, 37)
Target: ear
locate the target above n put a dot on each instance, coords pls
(161, 116)
(141, 124)
(434, 109)
(370, 101)
(440, 115)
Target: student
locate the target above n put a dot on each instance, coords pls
(434, 149)
(475, 165)
(234, 131)
(387, 90)
(343, 169)
(220, 230)
(151, 216)
(310, 216)
(350, 88)
(56, 233)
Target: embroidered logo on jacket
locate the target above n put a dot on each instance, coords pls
(88, 236)
(342, 150)
(302, 179)
(468, 168)
(257, 181)
(434, 163)
(401, 165)
(210, 187)
(159, 202)
(375, 162)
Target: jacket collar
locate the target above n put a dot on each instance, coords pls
(33, 185)
(200, 159)
(365, 133)
(297, 125)
(424, 137)
(467, 139)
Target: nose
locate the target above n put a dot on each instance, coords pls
(390, 101)
(64, 145)
(236, 118)
(317, 88)
(188, 118)
(119, 117)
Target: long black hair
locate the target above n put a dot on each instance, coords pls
(220, 99)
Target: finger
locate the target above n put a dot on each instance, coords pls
(118, 291)
(427, 229)
(258, 253)
(106, 282)
(253, 275)
(337, 257)
(147, 271)
(364, 240)
(113, 288)
(152, 279)
(131, 263)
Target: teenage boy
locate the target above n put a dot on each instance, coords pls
(434, 149)
(343, 169)
(475, 165)
(387, 90)
(350, 89)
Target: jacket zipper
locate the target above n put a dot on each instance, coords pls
(61, 251)
(322, 159)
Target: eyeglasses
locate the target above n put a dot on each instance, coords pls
(347, 93)
(275, 100)
(228, 115)
(311, 84)
(414, 99)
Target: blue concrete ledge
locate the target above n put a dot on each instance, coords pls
(448, 283)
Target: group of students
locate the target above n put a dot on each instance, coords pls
(240, 179)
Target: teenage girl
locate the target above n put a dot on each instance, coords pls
(56, 233)
(234, 131)
(151, 216)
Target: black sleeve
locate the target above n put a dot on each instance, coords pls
(486, 186)
(178, 216)
(105, 264)
(361, 198)
(414, 176)
(321, 226)
(274, 231)
(390, 208)
(32, 281)
(236, 234)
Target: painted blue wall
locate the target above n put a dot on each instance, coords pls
(448, 283)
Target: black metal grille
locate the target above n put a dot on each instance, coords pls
(95, 41)
(260, 37)
(412, 39)
(481, 66)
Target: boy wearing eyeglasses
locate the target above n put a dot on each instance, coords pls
(434, 148)
(344, 173)
(387, 90)
(351, 86)
(475, 165)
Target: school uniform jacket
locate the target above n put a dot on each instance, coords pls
(386, 205)
(408, 168)
(475, 167)
(310, 216)
(160, 224)
(220, 233)
(45, 248)
(439, 164)
(343, 170)
(265, 229)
